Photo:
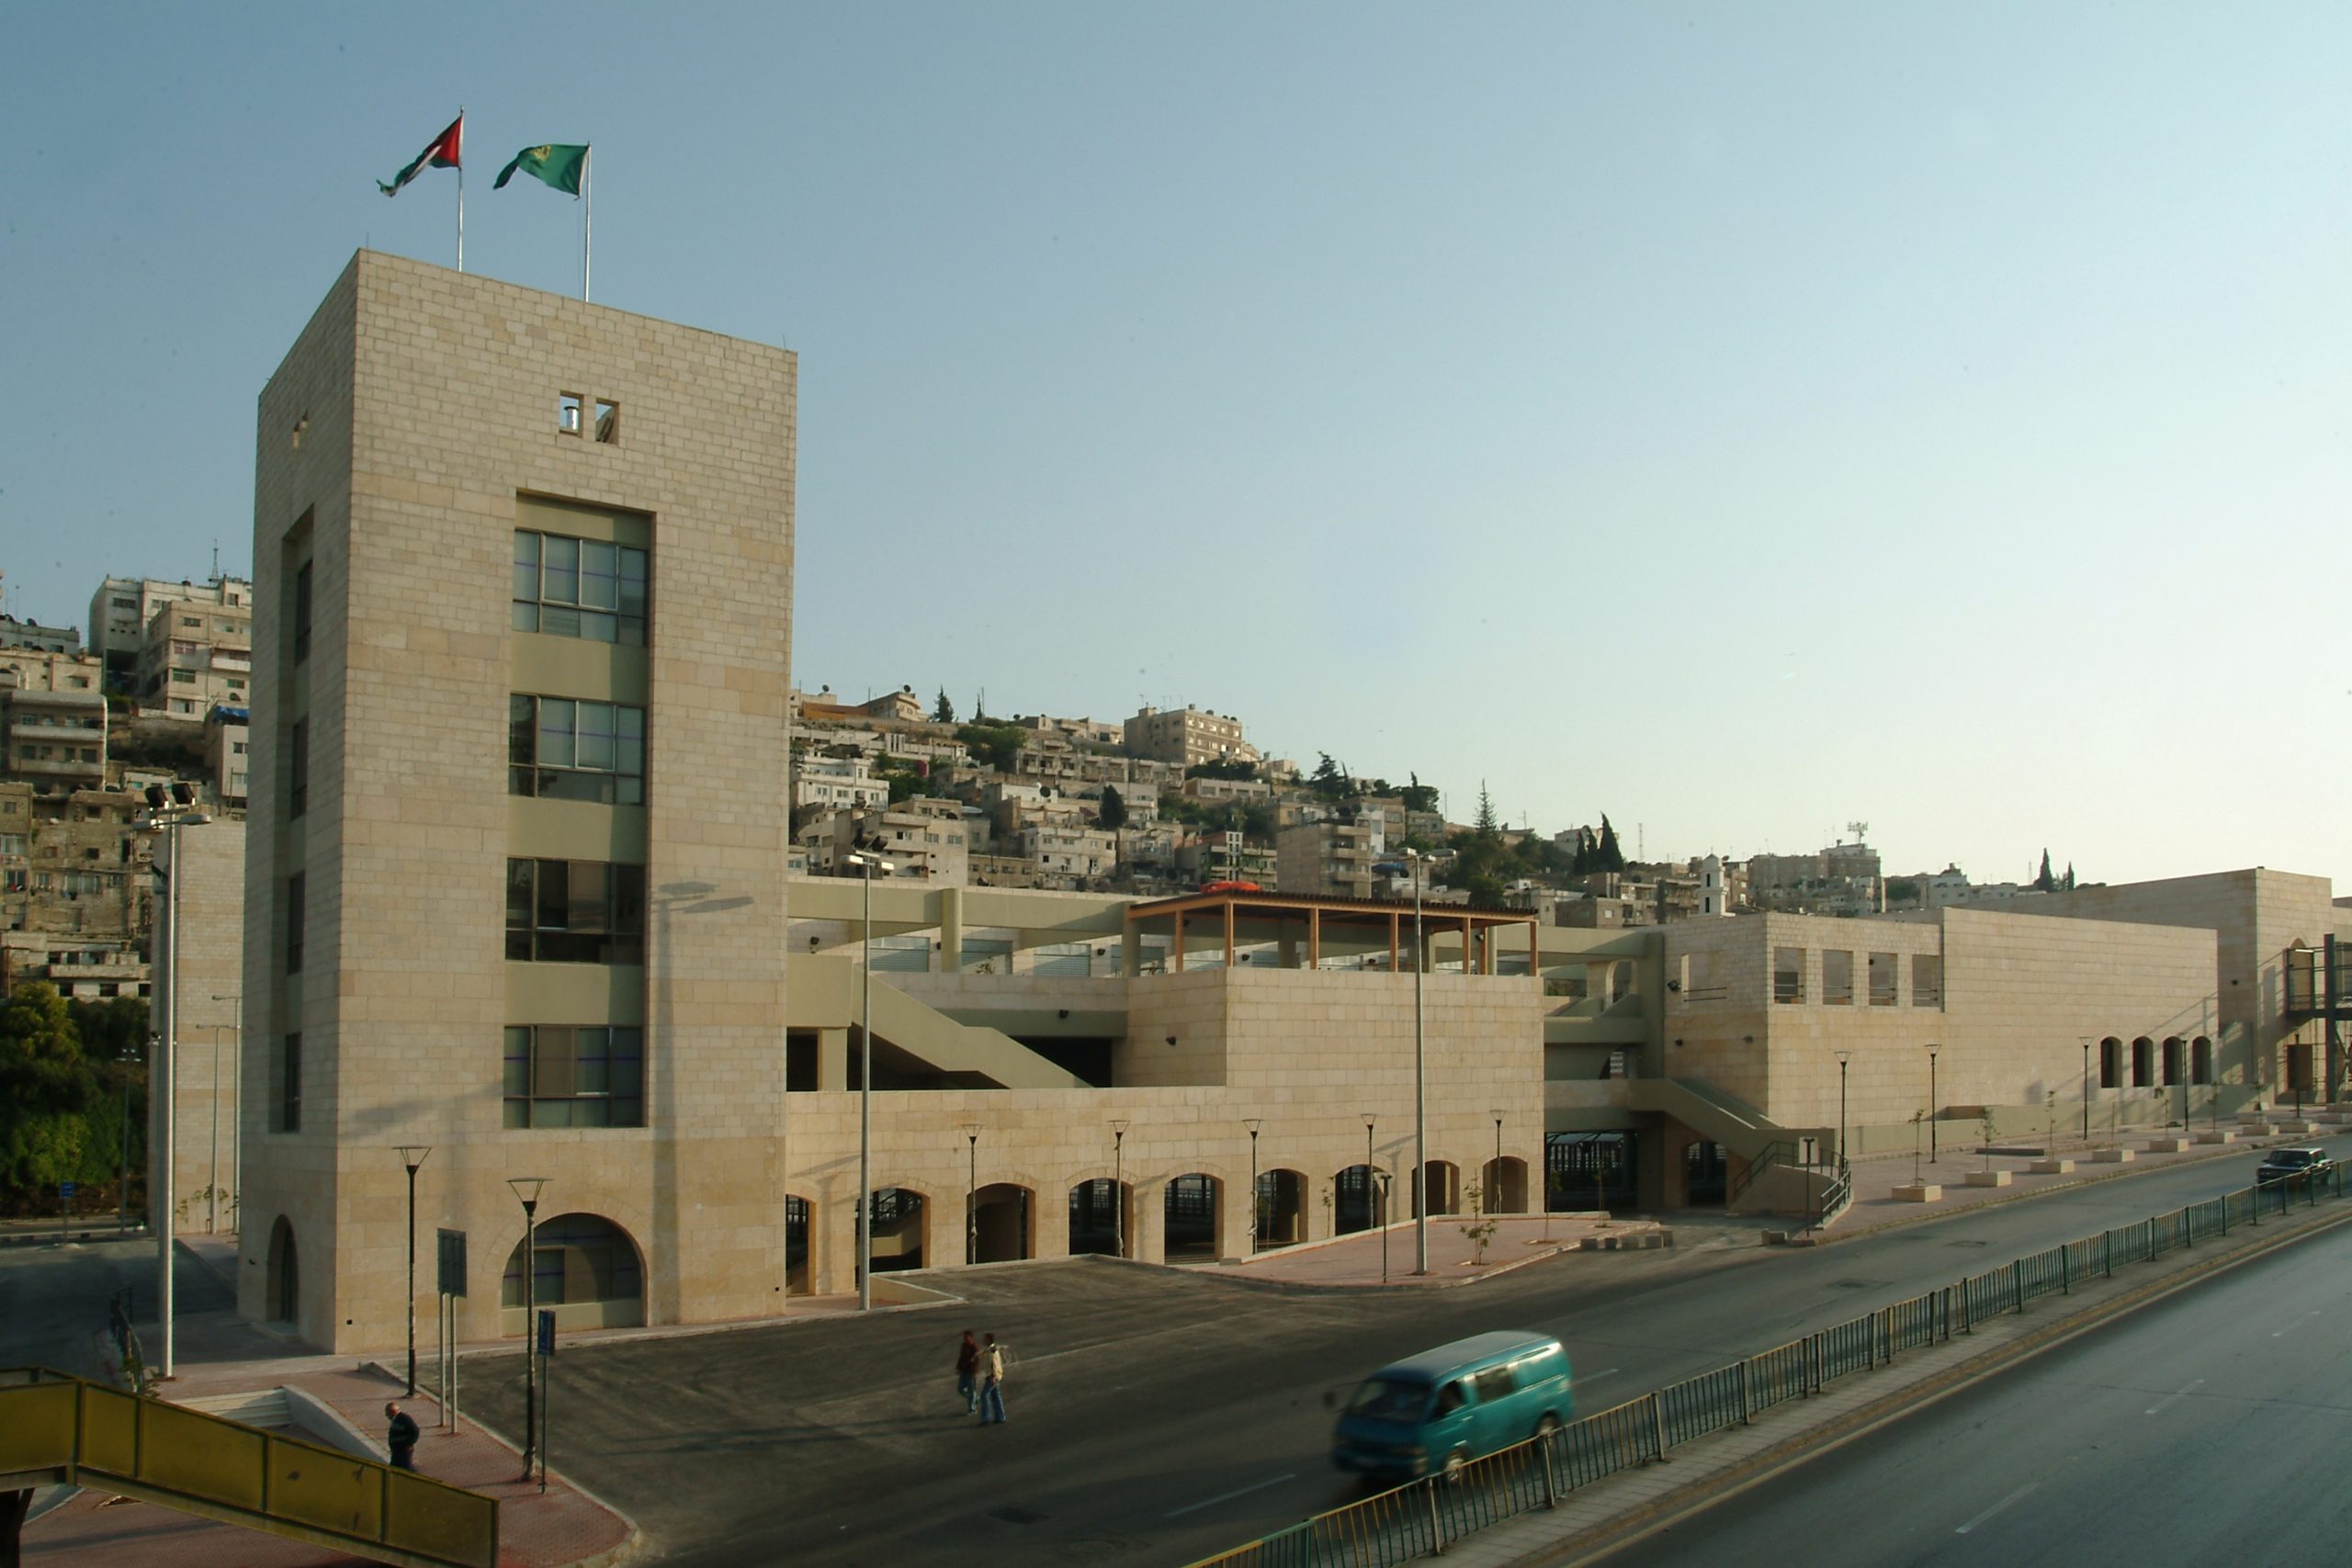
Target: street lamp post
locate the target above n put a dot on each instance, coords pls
(870, 863)
(1384, 1234)
(527, 1189)
(1844, 1164)
(1251, 1123)
(972, 1193)
(413, 1155)
(1497, 1179)
(170, 812)
(122, 1139)
(1420, 1087)
(1931, 1105)
(1119, 1183)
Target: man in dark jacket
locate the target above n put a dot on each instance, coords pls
(403, 1437)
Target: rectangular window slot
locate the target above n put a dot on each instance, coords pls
(1788, 974)
(574, 912)
(608, 421)
(1837, 978)
(1926, 980)
(295, 918)
(583, 588)
(1884, 990)
(567, 413)
(566, 1076)
(561, 748)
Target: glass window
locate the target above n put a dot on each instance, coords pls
(585, 588)
(566, 1076)
(563, 749)
(559, 570)
(574, 912)
(527, 564)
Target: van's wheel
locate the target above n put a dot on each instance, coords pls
(1455, 1464)
(1549, 1427)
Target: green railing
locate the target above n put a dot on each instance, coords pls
(59, 1429)
(1418, 1518)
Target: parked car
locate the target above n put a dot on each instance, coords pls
(1439, 1410)
(2299, 1162)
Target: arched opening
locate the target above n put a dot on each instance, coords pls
(283, 1286)
(1503, 1185)
(584, 1267)
(2143, 1061)
(1190, 1213)
(1282, 1208)
(1355, 1200)
(1001, 1221)
(2174, 1064)
(1441, 1180)
(1589, 1171)
(2201, 1060)
(1100, 1215)
(796, 1246)
(895, 1218)
(2110, 1063)
(1621, 980)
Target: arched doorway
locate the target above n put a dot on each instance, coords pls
(1100, 1216)
(1190, 1214)
(1503, 1185)
(1001, 1222)
(584, 1266)
(1282, 1208)
(283, 1286)
(1441, 1180)
(2110, 1063)
(796, 1246)
(1355, 1200)
(2201, 1060)
(895, 1216)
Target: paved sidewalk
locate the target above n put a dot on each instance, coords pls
(218, 1354)
(1386, 1256)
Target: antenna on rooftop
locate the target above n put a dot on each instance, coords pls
(1860, 830)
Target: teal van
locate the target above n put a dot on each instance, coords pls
(1437, 1410)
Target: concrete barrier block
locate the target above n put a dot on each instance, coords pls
(2167, 1145)
(1990, 1177)
(2217, 1135)
(2112, 1157)
(2051, 1167)
(2297, 1129)
(1918, 1192)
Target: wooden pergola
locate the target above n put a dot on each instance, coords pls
(1266, 915)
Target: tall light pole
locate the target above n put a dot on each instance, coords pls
(212, 1211)
(413, 1155)
(168, 811)
(526, 1187)
(1931, 1108)
(972, 1193)
(870, 863)
(1844, 1164)
(1496, 1179)
(1251, 1123)
(122, 1139)
(1119, 1184)
(1371, 1209)
(1420, 1088)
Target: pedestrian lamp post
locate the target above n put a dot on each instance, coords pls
(236, 1099)
(123, 1064)
(1931, 1105)
(1844, 1164)
(1384, 1234)
(972, 1192)
(1252, 1123)
(1370, 1209)
(1119, 1184)
(413, 1155)
(527, 1189)
(2087, 1089)
(167, 812)
(870, 865)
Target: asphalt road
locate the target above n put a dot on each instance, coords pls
(1158, 1416)
(53, 1298)
(2207, 1428)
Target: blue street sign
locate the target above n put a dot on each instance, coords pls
(547, 1331)
(65, 1189)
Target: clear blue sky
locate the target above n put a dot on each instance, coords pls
(1737, 418)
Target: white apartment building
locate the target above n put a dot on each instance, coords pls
(1061, 851)
(837, 783)
(196, 655)
(124, 607)
(53, 717)
(1186, 736)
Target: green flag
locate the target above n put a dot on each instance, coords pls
(554, 163)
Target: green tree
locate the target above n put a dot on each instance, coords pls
(943, 711)
(1486, 825)
(1420, 797)
(2047, 882)
(1608, 855)
(998, 745)
(1111, 812)
(46, 1089)
(2070, 877)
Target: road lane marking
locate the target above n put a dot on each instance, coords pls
(2282, 1333)
(2028, 1486)
(1228, 1496)
(1595, 1376)
(2177, 1394)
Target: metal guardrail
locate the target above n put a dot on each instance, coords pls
(1419, 1518)
(60, 1429)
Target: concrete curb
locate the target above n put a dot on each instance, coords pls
(1596, 1541)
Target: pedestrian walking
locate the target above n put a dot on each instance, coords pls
(967, 1372)
(991, 1382)
(402, 1438)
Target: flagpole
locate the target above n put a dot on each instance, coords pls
(461, 187)
(587, 216)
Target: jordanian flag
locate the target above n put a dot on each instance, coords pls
(441, 152)
(553, 163)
